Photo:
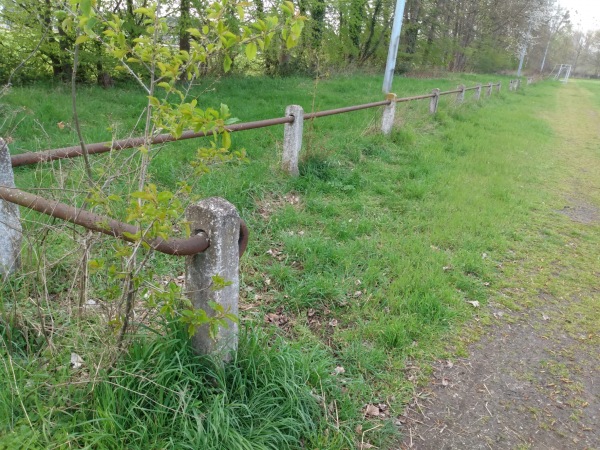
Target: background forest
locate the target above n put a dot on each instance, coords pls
(437, 35)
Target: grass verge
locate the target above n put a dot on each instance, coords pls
(379, 251)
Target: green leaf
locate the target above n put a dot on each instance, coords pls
(290, 41)
(231, 121)
(81, 39)
(131, 236)
(164, 196)
(194, 32)
(153, 101)
(86, 7)
(226, 140)
(251, 51)
(148, 12)
(143, 195)
(227, 63)
(224, 111)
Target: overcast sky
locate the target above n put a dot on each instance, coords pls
(585, 14)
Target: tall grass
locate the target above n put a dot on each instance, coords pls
(161, 395)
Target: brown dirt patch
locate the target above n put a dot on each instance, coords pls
(581, 211)
(526, 385)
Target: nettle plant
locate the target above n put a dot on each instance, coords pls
(166, 73)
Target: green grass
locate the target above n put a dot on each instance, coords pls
(376, 260)
(162, 396)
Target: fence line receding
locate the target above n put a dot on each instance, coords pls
(214, 221)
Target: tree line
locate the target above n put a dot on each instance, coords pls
(457, 35)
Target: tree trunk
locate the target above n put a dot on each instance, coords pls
(357, 18)
(317, 13)
(184, 24)
(366, 51)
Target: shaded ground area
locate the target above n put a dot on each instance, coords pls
(533, 380)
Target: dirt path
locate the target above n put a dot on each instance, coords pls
(533, 381)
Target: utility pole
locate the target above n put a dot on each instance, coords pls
(393, 50)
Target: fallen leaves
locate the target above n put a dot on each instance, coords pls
(378, 410)
(76, 361)
(339, 370)
(278, 319)
(269, 205)
(276, 254)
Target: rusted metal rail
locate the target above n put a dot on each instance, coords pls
(331, 112)
(416, 97)
(24, 159)
(454, 91)
(71, 152)
(124, 231)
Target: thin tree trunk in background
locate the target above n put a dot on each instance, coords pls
(184, 24)
(366, 50)
(412, 25)
(317, 13)
(260, 8)
(64, 44)
(357, 16)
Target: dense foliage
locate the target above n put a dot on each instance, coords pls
(455, 35)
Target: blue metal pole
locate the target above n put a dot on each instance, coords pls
(393, 50)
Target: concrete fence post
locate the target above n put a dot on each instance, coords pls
(529, 81)
(219, 220)
(292, 139)
(389, 113)
(460, 97)
(11, 232)
(488, 92)
(517, 84)
(477, 95)
(499, 86)
(433, 103)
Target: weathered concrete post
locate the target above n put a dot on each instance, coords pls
(220, 221)
(389, 113)
(529, 81)
(477, 95)
(460, 97)
(292, 139)
(10, 224)
(433, 103)
(488, 92)
(517, 84)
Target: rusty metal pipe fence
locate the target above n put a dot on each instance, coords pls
(29, 158)
(220, 235)
(180, 247)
